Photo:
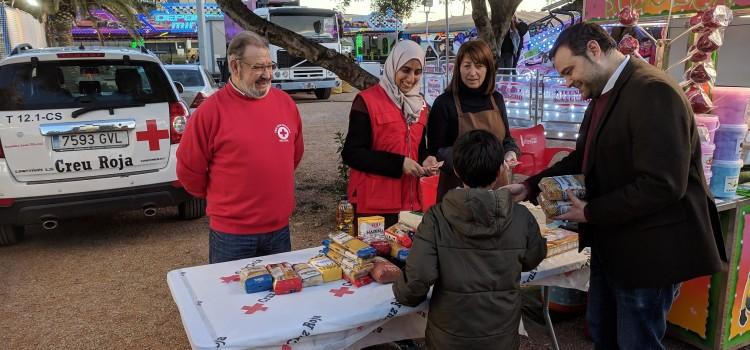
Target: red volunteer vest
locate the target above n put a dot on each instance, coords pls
(378, 194)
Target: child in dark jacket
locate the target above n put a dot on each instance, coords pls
(473, 247)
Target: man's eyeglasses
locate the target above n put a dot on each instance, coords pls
(259, 68)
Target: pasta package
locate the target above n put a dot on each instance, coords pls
(400, 234)
(341, 250)
(555, 188)
(553, 208)
(398, 252)
(359, 248)
(358, 281)
(355, 267)
(371, 229)
(384, 271)
(255, 279)
(327, 267)
(285, 280)
(309, 275)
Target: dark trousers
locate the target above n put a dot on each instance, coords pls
(227, 247)
(626, 318)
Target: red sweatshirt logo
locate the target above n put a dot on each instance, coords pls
(282, 131)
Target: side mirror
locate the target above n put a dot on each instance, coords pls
(179, 86)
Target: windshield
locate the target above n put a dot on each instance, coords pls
(320, 28)
(81, 83)
(188, 77)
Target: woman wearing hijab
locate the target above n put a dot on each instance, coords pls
(384, 141)
(470, 102)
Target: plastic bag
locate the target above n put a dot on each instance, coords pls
(717, 16)
(709, 41)
(699, 100)
(700, 73)
(628, 45)
(628, 16)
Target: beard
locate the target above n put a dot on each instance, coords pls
(258, 92)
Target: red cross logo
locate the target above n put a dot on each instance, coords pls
(286, 347)
(152, 135)
(282, 131)
(252, 309)
(341, 291)
(231, 278)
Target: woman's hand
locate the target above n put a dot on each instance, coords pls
(511, 160)
(431, 165)
(411, 167)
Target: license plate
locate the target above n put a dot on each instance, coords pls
(308, 85)
(90, 140)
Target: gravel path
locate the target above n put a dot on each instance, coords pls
(100, 283)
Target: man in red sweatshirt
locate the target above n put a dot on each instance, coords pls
(239, 151)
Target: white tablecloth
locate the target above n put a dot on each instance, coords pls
(217, 313)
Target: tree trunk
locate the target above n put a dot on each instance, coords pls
(298, 45)
(482, 22)
(59, 26)
(502, 12)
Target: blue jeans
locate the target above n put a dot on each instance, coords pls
(626, 318)
(227, 247)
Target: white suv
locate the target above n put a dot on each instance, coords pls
(85, 131)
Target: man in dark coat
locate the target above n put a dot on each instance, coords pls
(648, 216)
(472, 247)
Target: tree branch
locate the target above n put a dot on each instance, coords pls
(298, 45)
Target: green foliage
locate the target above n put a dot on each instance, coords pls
(343, 169)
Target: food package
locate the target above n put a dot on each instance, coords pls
(628, 45)
(384, 271)
(553, 208)
(398, 252)
(559, 241)
(330, 270)
(358, 281)
(309, 275)
(411, 219)
(628, 16)
(371, 229)
(255, 279)
(345, 252)
(700, 73)
(400, 234)
(699, 100)
(352, 267)
(285, 280)
(382, 247)
(717, 16)
(555, 188)
(709, 41)
(359, 248)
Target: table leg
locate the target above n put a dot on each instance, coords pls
(547, 318)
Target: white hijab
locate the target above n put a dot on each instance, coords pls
(411, 103)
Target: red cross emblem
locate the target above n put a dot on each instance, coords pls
(341, 291)
(231, 278)
(152, 135)
(286, 347)
(252, 309)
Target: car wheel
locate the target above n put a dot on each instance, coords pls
(323, 94)
(10, 234)
(193, 208)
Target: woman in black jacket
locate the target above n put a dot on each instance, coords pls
(470, 102)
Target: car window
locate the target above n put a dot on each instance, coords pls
(188, 77)
(211, 80)
(81, 83)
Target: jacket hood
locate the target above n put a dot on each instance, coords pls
(478, 212)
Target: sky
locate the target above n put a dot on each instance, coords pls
(362, 7)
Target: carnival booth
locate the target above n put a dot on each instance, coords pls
(710, 312)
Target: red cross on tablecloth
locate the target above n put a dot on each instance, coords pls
(152, 135)
(230, 278)
(252, 309)
(341, 291)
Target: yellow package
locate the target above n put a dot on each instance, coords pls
(349, 264)
(338, 248)
(327, 267)
(371, 228)
(360, 249)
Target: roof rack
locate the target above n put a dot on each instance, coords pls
(20, 48)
